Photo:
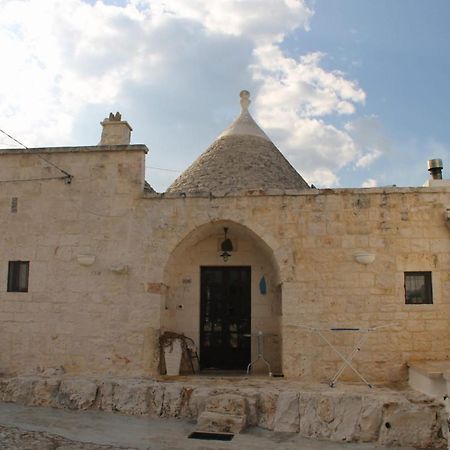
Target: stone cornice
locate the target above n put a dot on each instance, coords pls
(302, 192)
(80, 149)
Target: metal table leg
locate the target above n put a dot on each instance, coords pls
(260, 350)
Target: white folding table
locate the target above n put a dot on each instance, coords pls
(364, 333)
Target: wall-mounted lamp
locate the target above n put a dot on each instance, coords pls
(226, 247)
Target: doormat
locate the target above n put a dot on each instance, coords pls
(210, 436)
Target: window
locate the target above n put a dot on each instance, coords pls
(418, 288)
(14, 202)
(18, 276)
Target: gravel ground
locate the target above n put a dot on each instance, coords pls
(39, 428)
(15, 439)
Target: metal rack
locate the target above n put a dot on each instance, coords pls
(347, 359)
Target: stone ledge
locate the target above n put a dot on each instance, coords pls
(425, 370)
(347, 413)
(432, 369)
(79, 149)
(294, 192)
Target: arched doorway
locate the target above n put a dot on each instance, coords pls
(221, 304)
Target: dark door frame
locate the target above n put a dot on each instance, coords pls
(225, 317)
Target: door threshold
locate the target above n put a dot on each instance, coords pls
(222, 373)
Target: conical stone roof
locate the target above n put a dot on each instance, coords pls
(242, 158)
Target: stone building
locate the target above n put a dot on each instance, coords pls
(96, 265)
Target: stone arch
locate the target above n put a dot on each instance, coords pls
(199, 248)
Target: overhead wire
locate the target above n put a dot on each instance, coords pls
(32, 179)
(161, 168)
(13, 138)
(67, 175)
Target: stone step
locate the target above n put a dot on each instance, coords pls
(224, 413)
(227, 404)
(221, 423)
(429, 377)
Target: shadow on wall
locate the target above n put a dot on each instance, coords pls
(205, 311)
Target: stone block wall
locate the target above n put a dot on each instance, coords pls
(88, 318)
(106, 317)
(381, 416)
(313, 237)
(181, 303)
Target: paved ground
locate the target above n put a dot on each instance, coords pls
(36, 428)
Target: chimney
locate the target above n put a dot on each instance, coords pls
(115, 131)
(435, 167)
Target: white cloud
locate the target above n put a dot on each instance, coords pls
(370, 139)
(294, 98)
(323, 177)
(317, 148)
(178, 61)
(262, 22)
(64, 55)
(369, 183)
(61, 55)
(368, 158)
(301, 88)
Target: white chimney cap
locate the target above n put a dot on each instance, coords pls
(115, 131)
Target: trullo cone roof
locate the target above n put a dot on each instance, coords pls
(242, 158)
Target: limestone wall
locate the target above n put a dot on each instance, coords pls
(314, 237)
(86, 318)
(182, 287)
(105, 318)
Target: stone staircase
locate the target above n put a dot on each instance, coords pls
(430, 377)
(348, 412)
(226, 413)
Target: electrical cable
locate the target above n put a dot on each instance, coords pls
(14, 139)
(67, 176)
(167, 170)
(34, 179)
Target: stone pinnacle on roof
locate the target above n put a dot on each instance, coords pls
(244, 124)
(245, 99)
(241, 159)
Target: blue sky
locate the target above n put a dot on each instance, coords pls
(399, 53)
(354, 92)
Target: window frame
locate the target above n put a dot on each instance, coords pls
(428, 284)
(18, 276)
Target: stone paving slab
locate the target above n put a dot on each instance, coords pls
(39, 428)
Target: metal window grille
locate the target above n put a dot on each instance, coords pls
(18, 276)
